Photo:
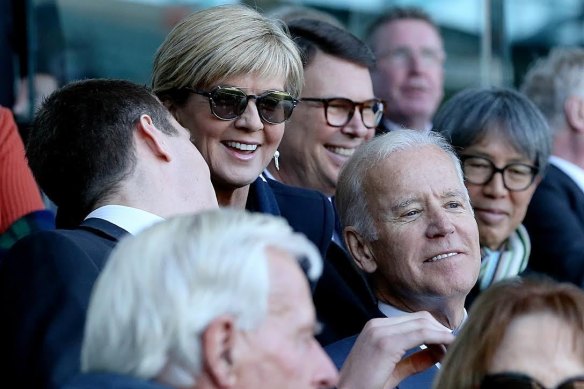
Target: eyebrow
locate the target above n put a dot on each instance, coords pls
(404, 204)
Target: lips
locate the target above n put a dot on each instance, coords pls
(339, 150)
(442, 256)
(241, 146)
(491, 215)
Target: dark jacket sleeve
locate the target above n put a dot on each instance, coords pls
(555, 222)
(45, 285)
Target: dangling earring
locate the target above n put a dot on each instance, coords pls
(276, 161)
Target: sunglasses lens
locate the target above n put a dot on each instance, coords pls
(228, 103)
(509, 381)
(276, 107)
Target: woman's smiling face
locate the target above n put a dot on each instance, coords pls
(237, 150)
(498, 211)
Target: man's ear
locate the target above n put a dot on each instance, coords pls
(153, 138)
(574, 112)
(360, 250)
(218, 342)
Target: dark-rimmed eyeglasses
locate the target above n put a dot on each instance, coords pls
(522, 381)
(338, 111)
(480, 171)
(228, 103)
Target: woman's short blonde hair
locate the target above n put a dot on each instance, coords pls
(219, 43)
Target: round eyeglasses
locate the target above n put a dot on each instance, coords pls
(338, 111)
(228, 103)
(480, 171)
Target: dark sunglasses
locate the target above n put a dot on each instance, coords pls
(228, 103)
(522, 381)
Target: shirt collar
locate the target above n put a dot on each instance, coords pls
(130, 219)
(391, 311)
(575, 172)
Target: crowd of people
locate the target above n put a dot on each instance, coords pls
(289, 206)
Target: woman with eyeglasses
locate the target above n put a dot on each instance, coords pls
(232, 77)
(504, 143)
(520, 334)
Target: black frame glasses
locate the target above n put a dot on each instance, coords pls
(338, 111)
(522, 381)
(480, 171)
(229, 103)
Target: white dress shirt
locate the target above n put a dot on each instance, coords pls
(575, 172)
(130, 219)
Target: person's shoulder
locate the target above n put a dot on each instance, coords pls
(63, 246)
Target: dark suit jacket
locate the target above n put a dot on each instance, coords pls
(339, 351)
(307, 211)
(45, 285)
(110, 381)
(555, 222)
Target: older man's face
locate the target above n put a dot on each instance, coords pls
(282, 352)
(428, 243)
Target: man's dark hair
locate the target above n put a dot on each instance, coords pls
(312, 35)
(80, 145)
(398, 13)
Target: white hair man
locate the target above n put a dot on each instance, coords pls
(555, 216)
(214, 300)
(408, 223)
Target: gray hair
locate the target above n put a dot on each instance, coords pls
(472, 113)
(351, 206)
(553, 79)
(222, 42)
(162, 288)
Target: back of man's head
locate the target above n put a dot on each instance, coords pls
(312, 35)
(553, 79)
(162, 289)
(80, 145)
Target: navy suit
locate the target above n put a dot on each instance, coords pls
(307, 211)
(339, 351)
(45, 285)
(555, 222)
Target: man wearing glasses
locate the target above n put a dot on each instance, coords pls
(337, 112)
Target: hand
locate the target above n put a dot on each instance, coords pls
(375, 361)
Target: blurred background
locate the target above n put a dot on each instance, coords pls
(488, 42)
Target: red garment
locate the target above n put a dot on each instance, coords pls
(19, 193)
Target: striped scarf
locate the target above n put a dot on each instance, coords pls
(510, 261)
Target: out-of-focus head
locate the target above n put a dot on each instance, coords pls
(497, 128)
(519, 329)
(327, 125)
(214, 300)
(555, 82)
(83, 143)
(289, 13)
(203, 72)
(408, 220)
(409, 74)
